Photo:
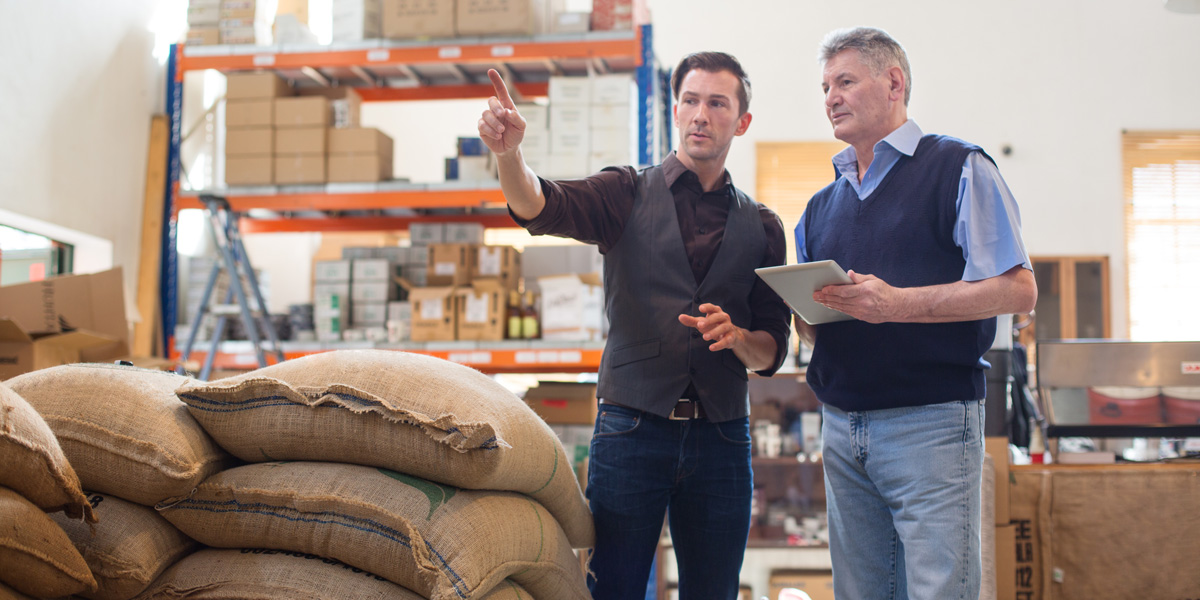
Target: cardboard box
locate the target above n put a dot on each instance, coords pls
(349, 168)
(250, 170)
(997, 447)
(536, 116)
(449, 264)
(817, 584)
(255, 86)
(250, 113)
(371, 269)
(302, 111)
(618, 14)
(543, 261)
(463, 233)
(615, 89)
(481, 312)
(45, 316)
(299, 168)
(242, 141)
(477, 168)
(499, 263)
(565, 90)
(345, 104)
(369, 314)
(426, 234)
(494, 17)
(612, 115)
(560, 403)
(359, 140)
(331, 271)
(419, 19)
(203, 36)
(300, 140)
(434, 313)
(1006, 561)
(373, 291)
(571, 22)
(296, 8)
(569, 118)
(572, 307)
(203, 15)
(357, 20)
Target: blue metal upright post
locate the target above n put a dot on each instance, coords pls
(169, 264)
(646, 84)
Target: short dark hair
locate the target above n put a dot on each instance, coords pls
(713, 62)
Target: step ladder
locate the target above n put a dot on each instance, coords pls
(233, 261)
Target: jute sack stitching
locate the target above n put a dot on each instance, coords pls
(442, 542)
(36, 557)
(401, 411)
(123, 429)
(34, 463)
(128, 549)
(260, 574)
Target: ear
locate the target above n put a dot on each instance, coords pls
(895, 84)
(743, 124)
(675, 113)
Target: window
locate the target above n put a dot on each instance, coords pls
(789, 173)
(1162, 234)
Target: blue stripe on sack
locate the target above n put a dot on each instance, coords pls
(377, 529)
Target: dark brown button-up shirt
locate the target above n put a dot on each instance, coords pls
(594, 210)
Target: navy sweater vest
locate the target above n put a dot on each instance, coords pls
(903, 234)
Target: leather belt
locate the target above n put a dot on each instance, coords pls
(685, 409)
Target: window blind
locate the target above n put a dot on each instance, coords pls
(1162, 234)
(789, 173)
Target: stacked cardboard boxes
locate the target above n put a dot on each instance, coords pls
(612, 121)
(204, 17)
(569, 126)
(357, 20)
(301, 130)
(359, 154)
(250, 126)
(331, 299)
(570, 410)
(473, 162)
(247, 21)
(418, 19)
(619, 14)
(371, 288)
(495, 17)
(535, 146)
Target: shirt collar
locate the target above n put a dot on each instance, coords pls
(673, 169)
(904, 140)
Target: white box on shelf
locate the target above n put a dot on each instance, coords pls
(372, 291)
(476, 168)
(612, 116)
(577, 143)
(423, 234)
(569, 118)
(535, 115)
(331, 270)
(464, 233)
(369, 314)
(614, 88)
(536, 141)
(569, 90)
(572, 307)
(371, 269)
(612, 140)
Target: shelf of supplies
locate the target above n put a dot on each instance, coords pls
(490, 357)
(384, 65)
(353, 196)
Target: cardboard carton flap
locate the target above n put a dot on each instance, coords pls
(77, 341)
(431, 293)
(93, 302)
(11, 332)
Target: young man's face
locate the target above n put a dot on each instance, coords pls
(708, 115)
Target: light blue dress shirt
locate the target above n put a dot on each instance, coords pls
(988, 228)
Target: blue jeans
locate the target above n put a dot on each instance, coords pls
(903, 492)
(697, 473)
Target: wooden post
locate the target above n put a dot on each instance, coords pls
(151, 253)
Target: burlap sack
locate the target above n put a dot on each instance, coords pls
(213, 574)
(123, 429)
(7, 593)
(439, 541)
(34, 464)
(406, 412)
(36, 557)
(130, 547)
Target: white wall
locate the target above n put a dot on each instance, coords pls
(77, 90)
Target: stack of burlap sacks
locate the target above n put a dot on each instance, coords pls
(361, 473)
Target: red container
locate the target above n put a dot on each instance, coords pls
(1124, 406)
(1182, 405)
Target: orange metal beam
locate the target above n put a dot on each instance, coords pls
(473, 198)
(364, 223)
(435, 53)
(560, 360)
(445, 92)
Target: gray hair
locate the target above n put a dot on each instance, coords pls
(877, 50)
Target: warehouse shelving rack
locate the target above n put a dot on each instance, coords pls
(386, 70)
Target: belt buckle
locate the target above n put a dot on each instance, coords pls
(674, 417)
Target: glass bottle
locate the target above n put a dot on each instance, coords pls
(531, 320)
(513, 317)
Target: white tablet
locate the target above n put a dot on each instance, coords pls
(796, 284)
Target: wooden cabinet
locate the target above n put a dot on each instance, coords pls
(1073, 297)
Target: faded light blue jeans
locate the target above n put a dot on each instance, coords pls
(642, 466)
(903, 492)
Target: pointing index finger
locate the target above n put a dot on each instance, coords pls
(501, 89)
